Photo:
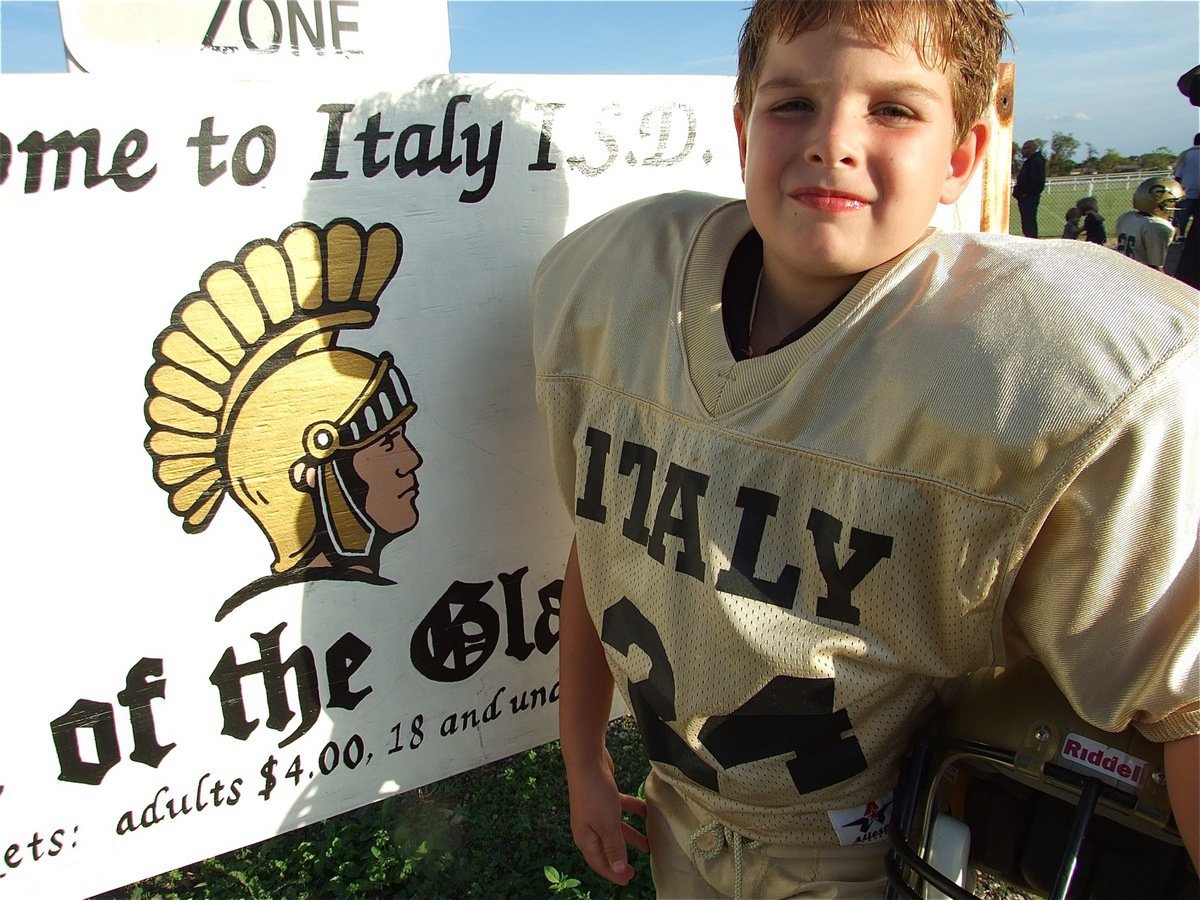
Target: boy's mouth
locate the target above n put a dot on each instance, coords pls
(827, 200)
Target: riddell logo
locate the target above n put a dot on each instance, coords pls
(1092, 755)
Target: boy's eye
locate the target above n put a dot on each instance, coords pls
(894, 111)
(793, 105)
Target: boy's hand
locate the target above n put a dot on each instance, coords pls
(599, 833)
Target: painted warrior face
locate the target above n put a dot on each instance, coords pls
(388, 468)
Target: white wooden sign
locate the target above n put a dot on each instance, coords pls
(288, 541)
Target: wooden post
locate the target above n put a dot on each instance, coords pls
(997, 163)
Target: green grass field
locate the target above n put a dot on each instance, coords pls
(1114, 199)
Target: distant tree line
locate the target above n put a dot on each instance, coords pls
(1062, 158)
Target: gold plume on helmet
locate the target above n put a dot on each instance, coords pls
(248, 365)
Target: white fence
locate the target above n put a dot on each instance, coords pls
(1087, 184)
(1091, 181)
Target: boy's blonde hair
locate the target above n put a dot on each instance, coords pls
(963, 38)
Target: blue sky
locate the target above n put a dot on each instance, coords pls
(1102, 70)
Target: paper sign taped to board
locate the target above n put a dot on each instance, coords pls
(256, 37)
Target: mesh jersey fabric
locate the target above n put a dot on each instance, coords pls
(786, 556)
(1144, 238)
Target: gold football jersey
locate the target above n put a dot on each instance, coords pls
(786, 556)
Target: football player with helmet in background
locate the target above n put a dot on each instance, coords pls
(1145, 232)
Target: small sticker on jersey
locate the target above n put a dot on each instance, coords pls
(1084, 753)
(866, 824)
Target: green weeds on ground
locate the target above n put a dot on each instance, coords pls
(499, 831)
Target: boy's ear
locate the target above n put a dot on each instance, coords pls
(965, 159)
(739, 125)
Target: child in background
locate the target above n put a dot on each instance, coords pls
(1093, 222)
(822, 459)
(1073, 228)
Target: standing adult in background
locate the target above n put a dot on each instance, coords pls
(1188, 268)
(1031, 181)
(1187, 173)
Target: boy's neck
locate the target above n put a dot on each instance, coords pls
(786, 304)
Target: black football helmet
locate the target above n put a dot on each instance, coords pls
(1010, 781)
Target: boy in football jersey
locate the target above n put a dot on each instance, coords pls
(822, 459)
(1145, 232)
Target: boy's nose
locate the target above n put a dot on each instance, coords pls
(833, 145)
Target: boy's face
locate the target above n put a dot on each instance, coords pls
(846, 152)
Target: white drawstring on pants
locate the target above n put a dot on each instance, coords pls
(723, 837)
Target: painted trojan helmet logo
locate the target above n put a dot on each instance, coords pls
(249, 395)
